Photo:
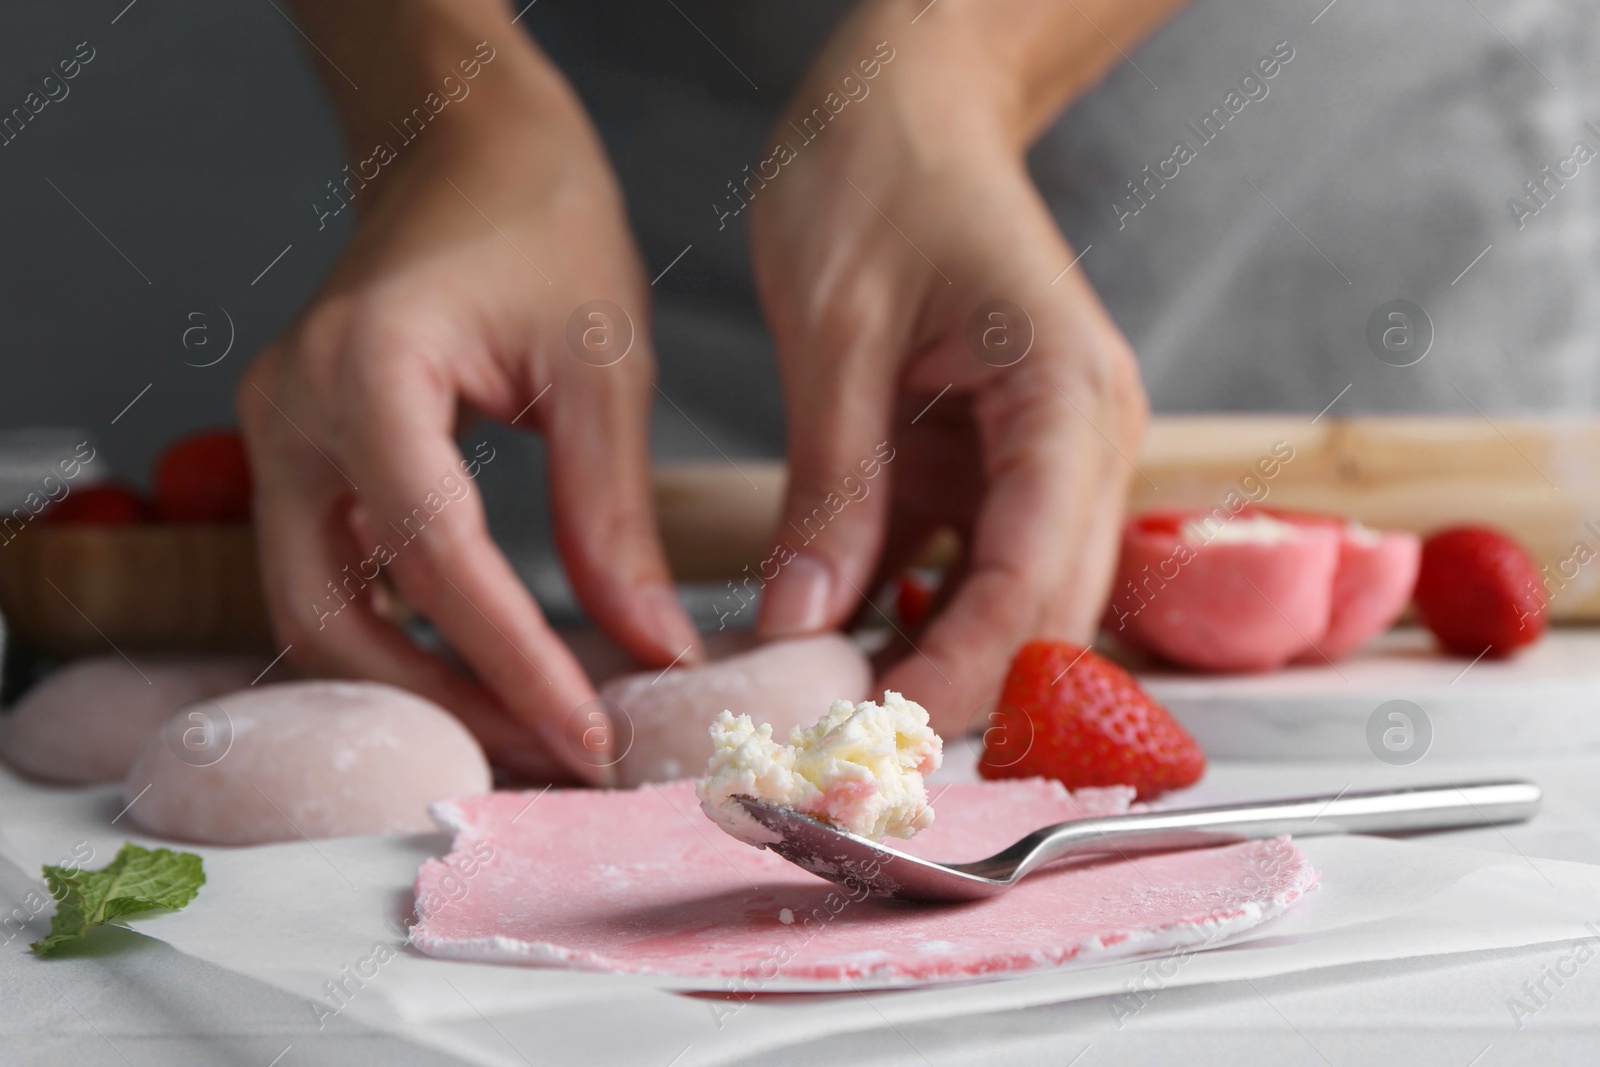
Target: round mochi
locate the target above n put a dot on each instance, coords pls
(86, 723)
(668, 714)
(302, 759)
(1246, 596)
(602, 659)
(1377, 571)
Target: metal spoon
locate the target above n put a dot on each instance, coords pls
(855, 861)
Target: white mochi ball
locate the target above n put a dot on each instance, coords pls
(85, 723)
(302, 759)
(663, 728)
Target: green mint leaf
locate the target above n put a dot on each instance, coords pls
(138, 879)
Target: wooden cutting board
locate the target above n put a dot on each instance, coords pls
(1539, 479)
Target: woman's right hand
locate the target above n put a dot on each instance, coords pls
(464, 290)
(925, 312)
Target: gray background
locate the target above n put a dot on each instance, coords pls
(197, 140)
(194, 140)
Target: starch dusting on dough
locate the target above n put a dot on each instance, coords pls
(860, 768)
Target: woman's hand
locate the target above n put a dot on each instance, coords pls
(919, 293)
(461, 292)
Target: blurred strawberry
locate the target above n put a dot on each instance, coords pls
(1068, 714)
(1479, 592)
(204, 478)
(913, 598)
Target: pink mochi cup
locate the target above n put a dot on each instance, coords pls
(1277, 587)
(1372, 586)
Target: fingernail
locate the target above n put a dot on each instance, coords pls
(589, 741)
(796, 602)
(666, 619)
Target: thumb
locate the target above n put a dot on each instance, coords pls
(839, 392)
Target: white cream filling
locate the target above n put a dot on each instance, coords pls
(860, 768)
(1255, 529)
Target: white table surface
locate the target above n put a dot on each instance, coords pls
(137, 1000)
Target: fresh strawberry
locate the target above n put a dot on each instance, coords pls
(1162, 522)
(913, 599)
(1479, 592)
(204, 478)
(1066, 713)
(100, 505)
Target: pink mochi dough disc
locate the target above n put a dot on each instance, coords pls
(639, 882)
(786, 683)
(1234, 605)
(86, 723)
(318, 759)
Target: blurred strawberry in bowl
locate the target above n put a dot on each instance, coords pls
(204, 478)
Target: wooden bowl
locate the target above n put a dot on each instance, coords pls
(80, 590)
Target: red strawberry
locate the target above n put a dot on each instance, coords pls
(101, 505)
(1478, 590)
(913, 599)
(204, 478)
(1066, 713)
(1167, 522)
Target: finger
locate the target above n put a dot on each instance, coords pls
(839, 395)
(305, 545)
(936, 490)
(423, 505)
(903, 642)
(1112, 402)
(1050, 473)
(597, 432)
(385, 652)
(901, 545)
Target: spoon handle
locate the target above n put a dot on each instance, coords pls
(1435, 807)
